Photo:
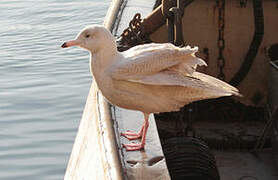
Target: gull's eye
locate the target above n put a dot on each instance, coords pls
(87, 36)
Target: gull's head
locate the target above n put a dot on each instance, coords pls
(93, 38)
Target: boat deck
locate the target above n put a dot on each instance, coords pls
(246, 166)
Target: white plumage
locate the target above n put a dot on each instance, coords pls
(150, 78)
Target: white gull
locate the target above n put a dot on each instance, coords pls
(150, 78)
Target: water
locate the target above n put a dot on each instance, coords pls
(43, 88)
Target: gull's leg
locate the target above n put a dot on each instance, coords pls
(134, 146)
(130, 135)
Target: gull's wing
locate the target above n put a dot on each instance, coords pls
(216, 82)
(196, 81)
(149, 59)
(166, 64)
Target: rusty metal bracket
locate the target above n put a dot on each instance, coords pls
(139, 30)
(173, 12)
(178, 32)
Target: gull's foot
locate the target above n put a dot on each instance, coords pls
(130, 135)
(133, 146)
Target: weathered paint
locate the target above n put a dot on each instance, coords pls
(92, 157)
(200, 28)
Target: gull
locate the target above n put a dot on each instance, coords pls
(151, 78)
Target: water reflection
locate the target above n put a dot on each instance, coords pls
(43, 88)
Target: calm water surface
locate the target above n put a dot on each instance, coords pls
(43, 88)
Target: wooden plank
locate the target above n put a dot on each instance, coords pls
(94, 154)
(148, 163)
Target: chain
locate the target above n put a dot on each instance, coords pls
(221, 41)
(134, 30)
(133, 35)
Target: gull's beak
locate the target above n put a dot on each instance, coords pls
(71, 43)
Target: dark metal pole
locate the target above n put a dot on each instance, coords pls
(178, 11)
(166, 5)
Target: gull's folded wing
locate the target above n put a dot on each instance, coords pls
(149, 59)
(197, 81)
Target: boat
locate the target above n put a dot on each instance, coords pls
(224, 138)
